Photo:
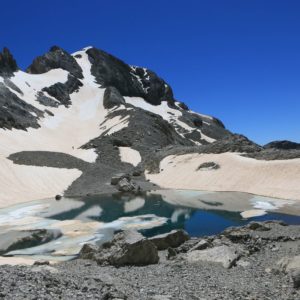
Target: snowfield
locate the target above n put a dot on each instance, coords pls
(65, 132)
(278, 179)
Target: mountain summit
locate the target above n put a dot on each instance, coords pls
(71, 122)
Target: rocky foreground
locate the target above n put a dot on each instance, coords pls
(258, 261)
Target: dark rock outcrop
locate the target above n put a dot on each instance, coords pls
(130, 81)
(208, 166)
(16, 113)
(283, 145)
(112, 97)
(54, 59)
(62, 91)
(8, 64)
(47, 101)
(126, 248)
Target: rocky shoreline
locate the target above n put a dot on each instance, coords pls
(257, 261)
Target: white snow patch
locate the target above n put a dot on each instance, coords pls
(30, 84)
(130, 156)
(134, 204)
(169, 114)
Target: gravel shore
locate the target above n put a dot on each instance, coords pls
(256, 275)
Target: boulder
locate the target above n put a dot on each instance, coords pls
(126, 248)
(115, 179)
(126, 185)
(58, 197)
(225, 255)
(289, 264)
(208, 166)
(15, 240)
(171, 239)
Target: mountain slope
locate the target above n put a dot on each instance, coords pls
(71, 122)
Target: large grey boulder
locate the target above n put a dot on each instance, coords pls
(226, 255)
(15, 240)
(171, 239)
(126, 248)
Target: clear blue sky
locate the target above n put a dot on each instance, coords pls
(238, 60)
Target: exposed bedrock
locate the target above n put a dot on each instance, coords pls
(8, 64)
(112, 97)
(62, 91)
(49, 159)
(54, 59)
(130, 81)
(16, 113)
(283, 145)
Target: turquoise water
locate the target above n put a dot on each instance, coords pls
(197, 222)
(94, 219)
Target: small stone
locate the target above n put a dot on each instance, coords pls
(58, 197)
(41, 263)
(171, 253)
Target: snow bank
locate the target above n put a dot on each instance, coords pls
(130, 155)
(65, 132)
(278, 179)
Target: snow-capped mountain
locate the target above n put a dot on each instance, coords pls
(72, 121)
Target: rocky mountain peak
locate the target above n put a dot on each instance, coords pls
(54, 59)
(8, 64)
(129, 80)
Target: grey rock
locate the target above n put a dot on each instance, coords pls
(171, 253)
(58, 197)
(54, 59)
(208, 166)
(62, 91)
(172, 239)
(8, 64)
(289, 264)
(41, 263)
(296, 278)
(282, 145)
(130, 81)
(126, 248)
(225, 255)
(112, 98)
(16, 113)
(203, 244)
(126, 185)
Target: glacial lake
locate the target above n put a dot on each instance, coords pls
(94, 219)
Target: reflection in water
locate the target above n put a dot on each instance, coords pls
(197, 222)
(94, 219)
